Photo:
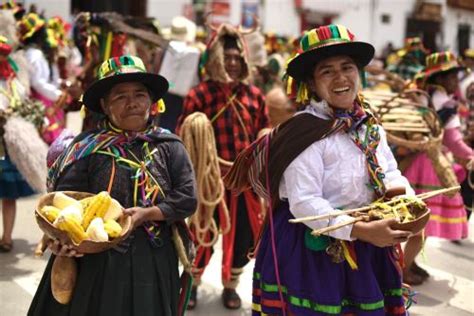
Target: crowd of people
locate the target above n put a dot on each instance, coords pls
(290, 135)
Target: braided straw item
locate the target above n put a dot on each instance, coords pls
(413, 126)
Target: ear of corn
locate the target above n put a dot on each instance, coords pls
(72, 227)
(97, 208)
(61, 201)
(86, 202)
(73, 211)
(50, 212)
(114, 211)
(112, 228)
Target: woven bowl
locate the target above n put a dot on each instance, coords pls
(416, 225)
(86, 246)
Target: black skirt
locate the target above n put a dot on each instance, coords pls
(142, 281)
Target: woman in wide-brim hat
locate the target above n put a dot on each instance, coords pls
(146, 169)
(448, 218)
(330, 155)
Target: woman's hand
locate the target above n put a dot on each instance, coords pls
(142, 214)
(62, 250)
(379, 232)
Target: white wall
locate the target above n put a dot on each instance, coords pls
(165, 10)
(454, 17)
(280, 17)
(52, 7)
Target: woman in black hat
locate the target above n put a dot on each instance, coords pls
(147, 170)
(331, 155)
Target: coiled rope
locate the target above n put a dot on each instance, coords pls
(198, 138)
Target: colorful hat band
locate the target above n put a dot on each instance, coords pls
(324, 35)
(443, 67)
(121, 65)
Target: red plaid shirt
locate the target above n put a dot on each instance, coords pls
(220, 103)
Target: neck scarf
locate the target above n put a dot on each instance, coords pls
(114, 142)
(351, 122)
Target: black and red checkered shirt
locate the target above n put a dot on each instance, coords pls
(211, 97)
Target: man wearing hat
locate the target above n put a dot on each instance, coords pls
(146, 169)
(331, 155)
(237, 112)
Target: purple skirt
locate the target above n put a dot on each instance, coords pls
(311, 284)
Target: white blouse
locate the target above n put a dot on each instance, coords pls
(40, 74)
(331, 174)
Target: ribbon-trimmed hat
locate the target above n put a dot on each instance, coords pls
(29, 25)
(327, 41)
(123, 69)
(441, 62)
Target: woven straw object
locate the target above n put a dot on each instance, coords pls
(86, 246)
(413, 126)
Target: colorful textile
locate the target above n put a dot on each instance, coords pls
(408, 66)
(250, 167)
(311, 284)
(55, 118)
(368, 145)
(110, 141)
(448, 217)
(237, 115)
(441, 62)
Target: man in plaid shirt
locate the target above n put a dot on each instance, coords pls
(237, 112)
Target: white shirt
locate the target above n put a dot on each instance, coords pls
(40, 74)
(331, 174)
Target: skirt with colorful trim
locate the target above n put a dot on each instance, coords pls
(448, 214)
(312, 284)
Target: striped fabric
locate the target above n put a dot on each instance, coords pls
(325, 35)
(440, 62)
(121, 65)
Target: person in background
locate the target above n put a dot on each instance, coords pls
(238, 113)
(44, 77)
(448, 217)
(12, 183)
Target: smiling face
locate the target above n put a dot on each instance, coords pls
(336, 80)
(233, 63)
(127, 105)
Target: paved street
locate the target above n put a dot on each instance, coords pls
(450, 290)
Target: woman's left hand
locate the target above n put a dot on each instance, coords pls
(142, 214)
